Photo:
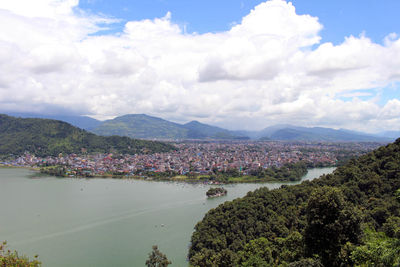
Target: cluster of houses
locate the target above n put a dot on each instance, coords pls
(201, 158)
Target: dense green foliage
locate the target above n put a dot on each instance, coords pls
(62, 171)
(148, 127)
(12, 258)
(378, 250)
(331, 223)
(289, 172)
(216, 191)
(319, 223)
(58, 171)
(157, 258)
(45, 137)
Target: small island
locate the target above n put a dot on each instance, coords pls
(216, 192)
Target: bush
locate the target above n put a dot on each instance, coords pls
(12, 258)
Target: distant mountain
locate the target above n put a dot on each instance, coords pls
(83, 122)
(148, 127)
(296, 133)
(265, 133)
(269, 131)
(141, 126)
(197, 130)
(250, 134)
(45, 137)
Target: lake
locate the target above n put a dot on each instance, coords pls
(105, 222)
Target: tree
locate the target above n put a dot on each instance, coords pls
(12, 258)
(392, 227)
(379, 250)
(308, 262)
(256, 253)
(331, 223)
(157, 259)
(326, 211)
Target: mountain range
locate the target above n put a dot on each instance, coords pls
(143, 126)
(291, 133)
(45, 137)
(148, 127)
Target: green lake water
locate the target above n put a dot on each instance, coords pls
(105, 222)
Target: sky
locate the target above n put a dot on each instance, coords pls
(238, 64)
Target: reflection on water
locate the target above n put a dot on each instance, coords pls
(105, 222)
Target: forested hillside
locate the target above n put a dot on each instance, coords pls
(348, 218)
(83, 122)
(141, 126)
(45, 137)
(149, 127)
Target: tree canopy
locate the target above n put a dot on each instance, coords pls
(319, 222)
(157, 258)
(12, 258)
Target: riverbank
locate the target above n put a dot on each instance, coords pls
(287, 173)
(197, 179)
(180, 178)
(6, 166)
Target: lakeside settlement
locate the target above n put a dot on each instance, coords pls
(193, 160)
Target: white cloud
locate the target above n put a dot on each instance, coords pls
(262, 71)
(391, 110)
(40, 8)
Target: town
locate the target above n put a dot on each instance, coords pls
(201, 158)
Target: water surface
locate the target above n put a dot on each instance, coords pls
(105, 222)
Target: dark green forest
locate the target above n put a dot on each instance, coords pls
(348, 218)
(44, 137)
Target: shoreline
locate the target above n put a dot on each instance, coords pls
(4, 166)
(181, 179)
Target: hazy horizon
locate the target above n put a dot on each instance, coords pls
(260, 128)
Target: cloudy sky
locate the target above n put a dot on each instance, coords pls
(239, 64)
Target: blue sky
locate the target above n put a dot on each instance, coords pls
(341, 18)
(324, 64)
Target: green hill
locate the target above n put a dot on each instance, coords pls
(348, 218)
(141, 126)
(148, 127)
(45, 137)
(83, 122)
